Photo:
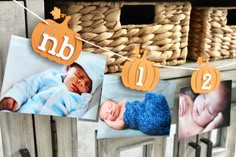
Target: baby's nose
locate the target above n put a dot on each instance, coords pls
(81, 82)
(203, 107)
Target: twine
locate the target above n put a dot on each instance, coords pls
(126, 58)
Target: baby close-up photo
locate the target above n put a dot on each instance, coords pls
(48, 88)
(124, 113)
(204, 112)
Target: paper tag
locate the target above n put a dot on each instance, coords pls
(206, 79)
(56, 41)
(140, 74)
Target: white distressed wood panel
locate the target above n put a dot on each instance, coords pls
(17, 133)
(12, 18)
(159, 146)
(43, 135)
(67, 136)
(231, 140)
(12, 22)
(4, 45)
(87, 138)
(170, 142)
(135, 152)
(112, 147)
(139, 149)
(1, 144)
(74, 133)
(37, 6)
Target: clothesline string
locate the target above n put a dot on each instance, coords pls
(104, 49)
(185, 68)
(173, 67)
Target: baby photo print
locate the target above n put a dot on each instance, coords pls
(125, 112)
(204, 112)
(33, 84)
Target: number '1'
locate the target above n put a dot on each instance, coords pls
(140, 83)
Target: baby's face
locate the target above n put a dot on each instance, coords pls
(110, 110)
(206, 107)
(77, 80)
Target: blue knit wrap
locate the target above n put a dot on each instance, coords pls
(152, 116)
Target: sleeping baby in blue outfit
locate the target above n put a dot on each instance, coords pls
(55, 92)
(152, 116)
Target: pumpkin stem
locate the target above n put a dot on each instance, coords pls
(67, 19)
(63, 15)
(207, 62)
(144, 54)
(199, 60)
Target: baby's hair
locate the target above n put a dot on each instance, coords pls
(76, 64)
(107, 100)
(101, 106)
(226, 92)
(226, 87)
(188, 91)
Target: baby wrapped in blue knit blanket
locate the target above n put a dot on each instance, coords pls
(152, 116)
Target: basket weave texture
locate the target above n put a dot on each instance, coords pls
(210, 36)
(166, 38)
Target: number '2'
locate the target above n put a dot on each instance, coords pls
(207, 79)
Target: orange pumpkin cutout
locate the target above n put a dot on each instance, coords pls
(56, 41)
(140, 74)
(206, 79)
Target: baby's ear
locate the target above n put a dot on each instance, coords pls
(122, 102)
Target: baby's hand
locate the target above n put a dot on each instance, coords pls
(8, 104)
(109, 122)
(183, 106)
(217, 121)
(118, 124)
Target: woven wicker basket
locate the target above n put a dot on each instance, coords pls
(210, 36)
(99, 22)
